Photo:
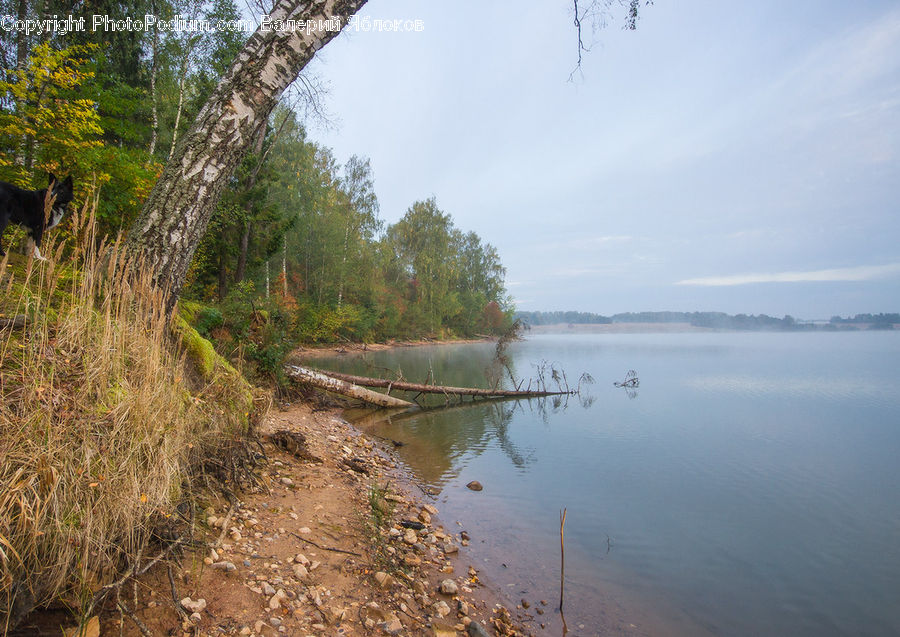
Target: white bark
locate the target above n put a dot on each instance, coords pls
(176, 213)
(320, 380)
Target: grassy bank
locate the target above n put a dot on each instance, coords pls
(110, 413)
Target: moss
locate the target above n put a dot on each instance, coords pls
(224, 385)
(200, 351)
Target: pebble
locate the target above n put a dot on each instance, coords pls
(275, 602)
(384, 580)
(393, 627)
(475, 630)
(193, 606)
(300, 571)
(475, 485)
(224, 566)
(442, 609)
(449, 587)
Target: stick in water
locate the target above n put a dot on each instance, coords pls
(562, 556)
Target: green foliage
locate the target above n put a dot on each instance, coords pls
(50, 125)
(295, 251)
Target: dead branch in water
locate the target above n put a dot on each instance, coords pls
(340, 385)
(439, 389)
(562, 556)
(631, 380)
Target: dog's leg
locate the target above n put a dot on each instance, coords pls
(34, 249)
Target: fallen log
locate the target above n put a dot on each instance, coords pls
(338, 386)
(17, 322)
(439, 389)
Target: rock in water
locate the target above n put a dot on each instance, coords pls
(475, 485)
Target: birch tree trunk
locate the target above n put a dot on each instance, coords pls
(154, 115)
(175, 215)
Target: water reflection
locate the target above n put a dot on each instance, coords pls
(751, 490)
(436, 442)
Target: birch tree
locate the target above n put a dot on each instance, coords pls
(175, 215)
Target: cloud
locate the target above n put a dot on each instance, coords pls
(858, 273)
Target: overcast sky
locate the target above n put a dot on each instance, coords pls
(732, 156)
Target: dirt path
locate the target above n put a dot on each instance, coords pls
(324, 552)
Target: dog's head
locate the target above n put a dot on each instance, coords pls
(61, 191)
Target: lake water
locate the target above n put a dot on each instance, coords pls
(750, 486)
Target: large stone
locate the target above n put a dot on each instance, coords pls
(449, 587)
(475, 485)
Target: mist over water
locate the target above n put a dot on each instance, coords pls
(749, 487)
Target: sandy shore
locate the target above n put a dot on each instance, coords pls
(361, 348)
(308, 555)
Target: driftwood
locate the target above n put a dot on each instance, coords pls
(439, 389)
(17, 322)
(329, 383)
(294, 443)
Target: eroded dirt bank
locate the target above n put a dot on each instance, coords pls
(340, 544)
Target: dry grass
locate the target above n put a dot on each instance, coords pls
(101, 422)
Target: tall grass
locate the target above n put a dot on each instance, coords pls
(101, 421)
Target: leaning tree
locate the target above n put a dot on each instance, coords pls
(175, 215)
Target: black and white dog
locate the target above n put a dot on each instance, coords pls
(26, 208)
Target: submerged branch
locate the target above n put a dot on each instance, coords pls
(440, 389)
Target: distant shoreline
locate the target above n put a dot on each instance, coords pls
(614, 328)
(681, 327)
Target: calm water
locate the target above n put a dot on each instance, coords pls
(750, 487)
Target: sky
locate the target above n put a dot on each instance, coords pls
(741, 157)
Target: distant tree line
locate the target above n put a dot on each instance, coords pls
(714, 320)
(877, 321)
(559, 317)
